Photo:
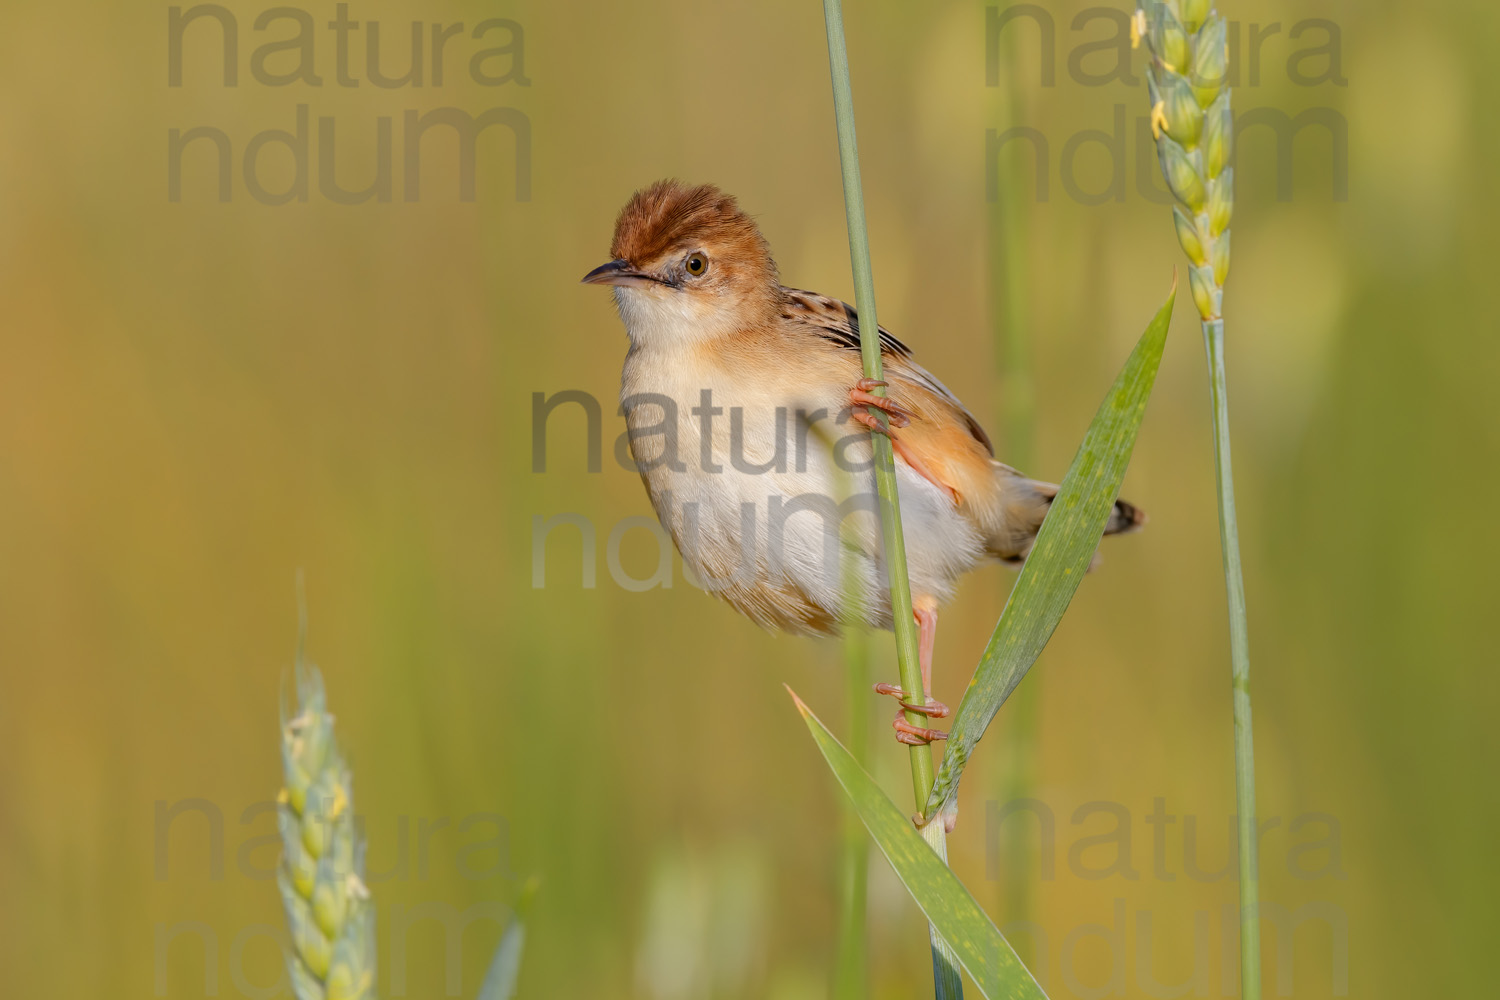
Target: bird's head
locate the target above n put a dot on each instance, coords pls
(688, 265)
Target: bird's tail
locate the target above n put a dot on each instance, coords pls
(1024, 505)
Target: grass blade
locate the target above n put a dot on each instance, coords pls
(505, 968)
(976, 942)
(1064, 548)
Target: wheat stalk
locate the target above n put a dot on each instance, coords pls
(328, 908)
(1194, 130)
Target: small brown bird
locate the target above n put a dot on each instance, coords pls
(750, 417)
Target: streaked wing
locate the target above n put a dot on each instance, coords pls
(838, 322)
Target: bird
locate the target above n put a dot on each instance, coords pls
(749, 419)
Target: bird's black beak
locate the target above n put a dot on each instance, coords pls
(617, 272)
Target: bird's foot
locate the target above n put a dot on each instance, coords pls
(862, 401)
(906, 732)
(930, 707)
(914, 736)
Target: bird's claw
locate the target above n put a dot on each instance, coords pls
(906, 732)
(862, 401)
(931, 707)
(914, 736)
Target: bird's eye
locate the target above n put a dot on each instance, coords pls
(696, 264)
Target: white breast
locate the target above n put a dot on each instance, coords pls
(754, 495)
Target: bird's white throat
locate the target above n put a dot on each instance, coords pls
(658, 316)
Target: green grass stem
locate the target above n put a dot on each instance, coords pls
(1008, 225)
(947, 979)
(1239, 658)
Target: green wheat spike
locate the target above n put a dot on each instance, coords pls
(321, 875)
(1194, 130)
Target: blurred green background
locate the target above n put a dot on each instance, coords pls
(198, 398)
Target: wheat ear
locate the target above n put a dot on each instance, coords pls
(328, 908)
(1194, 131)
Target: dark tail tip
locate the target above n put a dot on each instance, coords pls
(1125, 518)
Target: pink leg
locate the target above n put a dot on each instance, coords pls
(925, 612)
